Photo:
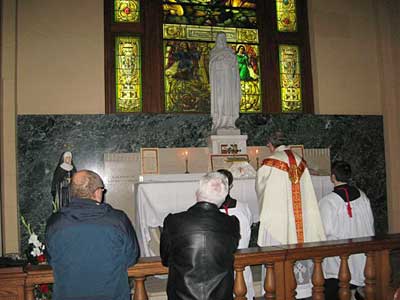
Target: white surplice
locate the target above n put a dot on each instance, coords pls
(338, 225)
(277, 221)
(243, 213)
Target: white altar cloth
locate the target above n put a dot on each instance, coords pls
(159, 195)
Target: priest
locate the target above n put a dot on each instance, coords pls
(289, 212)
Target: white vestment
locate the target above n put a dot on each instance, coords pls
(338, 225)
(277, 220)
(243, 213)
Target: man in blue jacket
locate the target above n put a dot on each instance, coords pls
(90, 245)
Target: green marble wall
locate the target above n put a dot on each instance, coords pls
(42, 138)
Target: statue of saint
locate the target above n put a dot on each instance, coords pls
(61, 180)
(225, 85)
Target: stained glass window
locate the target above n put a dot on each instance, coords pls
(126, 11)
(286, 15)
(128, 74)
(290, 78)
(189, 32)
(176, 37)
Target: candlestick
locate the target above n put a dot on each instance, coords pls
(186, 162)
(257, 160)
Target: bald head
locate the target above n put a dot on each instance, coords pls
(85, 184)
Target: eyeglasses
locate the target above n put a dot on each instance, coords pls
(102, 189)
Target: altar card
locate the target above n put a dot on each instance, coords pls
(298, 149)
(226, 161)
(318, 161)
(149, 158)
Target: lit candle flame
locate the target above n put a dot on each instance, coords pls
(186, 154)
(256, 151)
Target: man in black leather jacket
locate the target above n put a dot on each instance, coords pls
(198, 245)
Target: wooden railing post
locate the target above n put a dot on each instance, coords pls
(239, 288)
(290, 280)
(383, 288)
(318, 280)
(279, 271)
(140, 289)
(29, 291)
(269, 284)
(344, 278)
(370, 276)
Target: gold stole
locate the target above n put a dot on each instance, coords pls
(294, 173)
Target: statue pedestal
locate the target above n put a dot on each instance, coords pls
(219, 144)
(231, 131)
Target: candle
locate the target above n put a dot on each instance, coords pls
(257, 160)
(186, 153)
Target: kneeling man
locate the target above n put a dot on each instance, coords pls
(90, 245)
(198, 245)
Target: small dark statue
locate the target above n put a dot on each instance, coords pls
(61, 180)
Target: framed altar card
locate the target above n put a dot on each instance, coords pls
(221, 161)
(149, 159)
(298, 149)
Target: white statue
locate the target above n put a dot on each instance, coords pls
(225, 85)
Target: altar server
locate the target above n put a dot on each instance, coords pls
(289, 211)
(240, 210)
(346, 213)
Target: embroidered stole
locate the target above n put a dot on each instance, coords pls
(294, 173)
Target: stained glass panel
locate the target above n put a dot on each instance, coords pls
(228, 3)
(209, 15)
(128, 74)
(290, 78)
(286, 15)
(249, 72)
(186, 76)
(126, 11)
(190, 28)
(209, 33)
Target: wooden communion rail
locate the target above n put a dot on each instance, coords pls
(279, 284)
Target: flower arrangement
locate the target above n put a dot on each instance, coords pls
(35, 255)
(43, 291)
(35, 250)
